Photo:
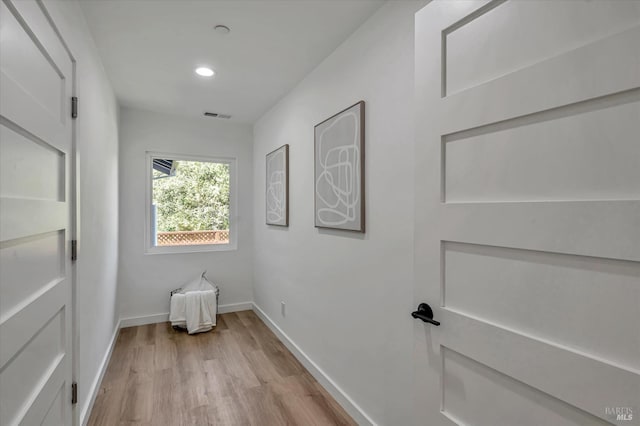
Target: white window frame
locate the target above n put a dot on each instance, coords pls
(233, 218)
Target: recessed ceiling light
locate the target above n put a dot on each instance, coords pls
(222, 29)
(205, 72)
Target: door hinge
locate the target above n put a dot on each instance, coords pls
(74, 107)
(74, 393)
(74, 250)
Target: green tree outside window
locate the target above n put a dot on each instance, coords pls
(196, 198)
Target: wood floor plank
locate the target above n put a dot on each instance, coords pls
(107, 407)
(284, 361)
(138, 399)
(165, 354)
(240, 331)
(247, 317)
(262, 366)
(210, 347)
(305, 410)
(193, 390)
(237, 374)
(146, 334)
(301, 384)
(235, 362)
(227, 411)
(119, 367)
(221, 322)
(265, 407)
(167, 400)
(220, 383)
(340, 415)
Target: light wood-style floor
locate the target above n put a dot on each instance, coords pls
(239, 374)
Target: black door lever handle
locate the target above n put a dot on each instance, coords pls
(425, 314)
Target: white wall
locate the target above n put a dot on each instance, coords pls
(97, 180)
(145, 280)
(348, 296)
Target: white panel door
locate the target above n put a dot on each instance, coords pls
(527, 242)
(35, 281)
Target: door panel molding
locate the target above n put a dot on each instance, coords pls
(527, 212)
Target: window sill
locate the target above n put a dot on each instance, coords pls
(190, 249)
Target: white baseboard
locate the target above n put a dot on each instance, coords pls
(164, 317)
(144, 320)
(336, 392)
(95, 386)
(235, 307)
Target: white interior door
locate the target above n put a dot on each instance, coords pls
(528, 213)
(35, 282)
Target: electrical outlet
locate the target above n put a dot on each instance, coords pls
(283, 309)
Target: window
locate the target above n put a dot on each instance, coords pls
(190, 204)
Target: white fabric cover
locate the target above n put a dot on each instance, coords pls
(194, 307)
(201, 310)
(200, 283)
(178, 310)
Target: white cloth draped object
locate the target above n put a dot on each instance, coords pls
(195, 306)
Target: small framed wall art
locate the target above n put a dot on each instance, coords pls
(277, 187)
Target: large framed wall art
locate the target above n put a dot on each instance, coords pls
(339, 170)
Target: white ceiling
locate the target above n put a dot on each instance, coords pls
(150, 49)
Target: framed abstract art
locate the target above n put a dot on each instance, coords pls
(277, 187)
(339, 170)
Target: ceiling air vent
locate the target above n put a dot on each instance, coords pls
(216, 115)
